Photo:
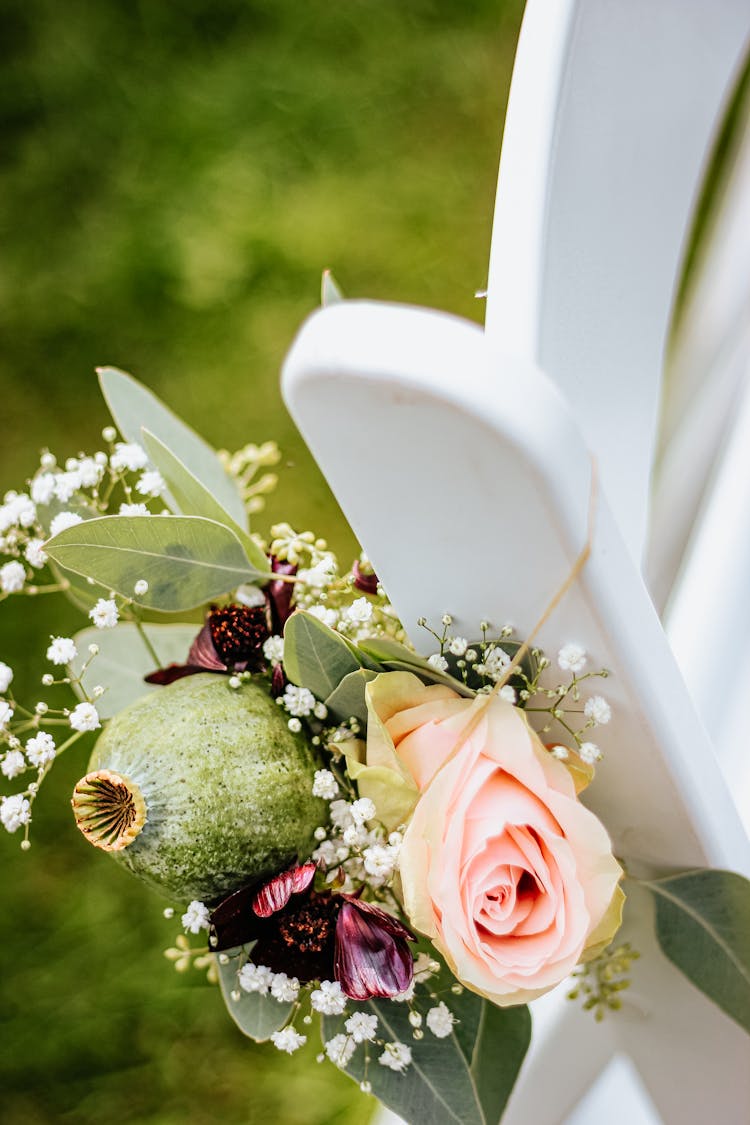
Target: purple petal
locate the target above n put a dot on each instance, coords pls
(233, 922)
(203, 654)
(172, 672)
(275, 894)
(280, 594)
(372, 956)
(367, 583)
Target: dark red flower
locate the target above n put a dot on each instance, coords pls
(366, 581)
(317, 935)
(230, 641)
(372, 957)
(279, 595)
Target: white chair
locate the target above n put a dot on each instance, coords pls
(462, 460)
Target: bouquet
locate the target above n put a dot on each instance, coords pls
(387, 850)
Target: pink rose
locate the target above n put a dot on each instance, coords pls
(502, 867)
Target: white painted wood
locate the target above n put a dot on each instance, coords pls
(454, 453)
(707, 367)
(466, 475)
(611, 112)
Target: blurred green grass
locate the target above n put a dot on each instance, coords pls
(173, 178)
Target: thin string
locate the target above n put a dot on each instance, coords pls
(483, 702)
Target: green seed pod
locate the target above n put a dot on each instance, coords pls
(199, 789)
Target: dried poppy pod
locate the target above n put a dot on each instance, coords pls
(199, 789)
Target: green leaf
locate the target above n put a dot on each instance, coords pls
(315, 656)
(256, 1016)
(135, 408)
(463, 1079)
(330, 294)
(193, 498)
(186, 560)
(123, 660)
(395, 657)
(348, 699)
(703, 927)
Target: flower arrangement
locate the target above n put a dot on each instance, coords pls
(391, 845)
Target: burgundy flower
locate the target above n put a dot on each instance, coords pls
(317, 935)
(279, 595)
(372, 957)
(364, 581)
(230, 641)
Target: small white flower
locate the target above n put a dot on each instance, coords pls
(109, 433)
(437, 661)
(151, 483)
(90, 471)
(405, 996)
(340, 1050)
(572, 658)
(15, 811)
(328, 999)
(40, 749)
(329, 617)
(341, 814)
(288, 1040)
(380, 861)
(84, 717)
(589, 753)
(396, 1056)
(196, 917)
(43, 488)
(471, 655)
(284, 989)
(34, 554)
(359, 612)
(273, 650)
(458, 646)
(140, 588)
(362, 1027)
(62, 650)
(598, 709)
(66, 485)
(325, 785)
(6, 677)
(362, 810)
(129, 455)
(319, 575)
(440, 1021)
(508, 693)
(496, 661)
(133, 510)
(560, 752)
(255, 978)
(355, 836)
(12, 577)
(6, 714)
(326, 854)
(298, 701)
(294, 725)
(62, 521)
(320, 711)
(105, 614)
(13, 763)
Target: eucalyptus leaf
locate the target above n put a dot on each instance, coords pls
(186, 560)
(257, 1016)
(395, 657)
(315, 656)
(193, 498)
(464, 1078)
(703, 927)
(330, 293)
(348, 699)
(134, 408)
(123, 660)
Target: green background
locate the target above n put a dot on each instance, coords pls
(173, 179)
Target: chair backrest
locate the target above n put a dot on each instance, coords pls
(461, 459)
